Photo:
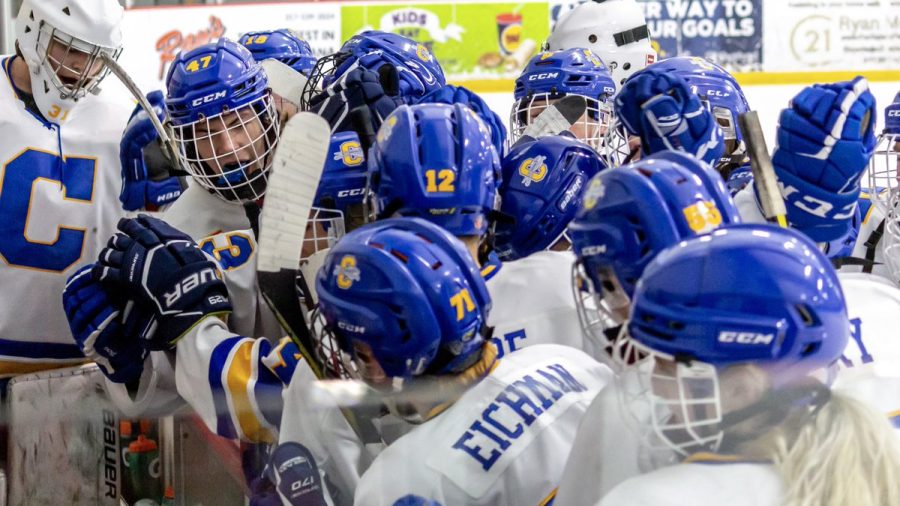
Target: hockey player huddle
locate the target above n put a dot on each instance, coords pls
(584, 305)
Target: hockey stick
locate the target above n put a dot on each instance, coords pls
(557, 118)
(284, 81)
(297, 168)
(763, 172)
(168, 146)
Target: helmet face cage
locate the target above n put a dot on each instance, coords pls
(57, 50)
(319, 75)
(323, 230)
(337, 363)
(593, 305)
(595, 128)
(892, 234)
(884, 171)
(230, 153)
(674, 404)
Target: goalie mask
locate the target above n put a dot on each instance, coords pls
(223, 119)
(550, 76)
(62, 42)
(725, 358)
(615, 30)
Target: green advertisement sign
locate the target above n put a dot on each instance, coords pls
(471, 40)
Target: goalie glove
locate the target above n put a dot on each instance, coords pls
(824, 142)
(107, 333)
(662, 110)
(165, 270)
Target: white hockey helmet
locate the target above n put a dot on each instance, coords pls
(61, 41)
(615, 30)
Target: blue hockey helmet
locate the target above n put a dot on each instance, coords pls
(284, 45)
(540, 191)
(418, 70)
(435, 161)
(884, 166)
(408, 291)
(553, 75)
(223, 119)
(628, 216)
(720, 92)
(698, 314)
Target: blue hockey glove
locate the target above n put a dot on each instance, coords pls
(291, 477)
(357, 88)
(825, 139)
(163, 268)
(451, 94)
(146, 183)
(662, 110)
(107, 332)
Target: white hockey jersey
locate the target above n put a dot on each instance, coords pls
(708, 481)
(198, 213)
(504, 442)
(873, 356)
(59, 204)
(532, 302)
(606, 452)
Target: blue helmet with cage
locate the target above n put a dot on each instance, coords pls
(435, 161)
(417, 69)
(222, 119)
(540, 191)
(552, 75)
(697, 310)
(410, 292)
(628, 216)
(343, 182)
(284, 45)
(721, 94)
(884, 165)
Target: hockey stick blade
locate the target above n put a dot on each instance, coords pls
(297, 168)
(763, 172)
(558, 117)
(167, 145)
(284, 81)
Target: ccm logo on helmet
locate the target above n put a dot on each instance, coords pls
(543, 75)
(894, 114)
(728, 336)
(212, 97)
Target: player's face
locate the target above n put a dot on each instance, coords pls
(72, 65)
(370, 370)
(584, 128)
(234, 138)
(897, 158)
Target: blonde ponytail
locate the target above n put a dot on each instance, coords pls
(849, 454)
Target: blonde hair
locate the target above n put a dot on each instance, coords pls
(848, 454)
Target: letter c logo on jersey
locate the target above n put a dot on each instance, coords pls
(347, 273)
(749, 338)
(533, 170)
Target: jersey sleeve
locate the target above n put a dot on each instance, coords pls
(233, 382)
(156, 394)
